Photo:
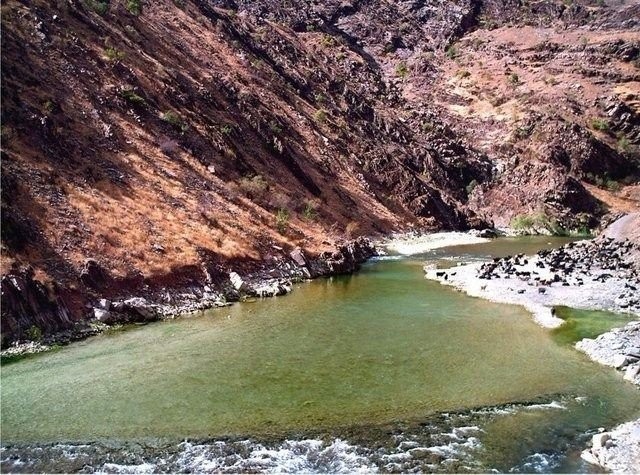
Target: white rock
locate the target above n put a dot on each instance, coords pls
(632, 372)
(101, 315)
(620, 361)
(599, 440)
(236, 280)
(136, 302)
(588, 457)
(104, 304)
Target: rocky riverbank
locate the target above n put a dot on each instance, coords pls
(27, 300)
(619, 348)
(598, 274)
(617, 450)
(594, 275)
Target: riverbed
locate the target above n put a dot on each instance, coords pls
(381, 370)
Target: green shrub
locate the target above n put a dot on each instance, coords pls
(328, 41)
(471, 186)
(130, 96)
(275, 127)
(522, 132)
(612, 185)
(600, 124)
(33, 333)
(402, 70)
(452, 52)
(535, 222)
(99, 6)
(282, 220)
(113, 54)
(522, 222)
(320, 116)
(226, 129)
(514, 79)
(624, 145)
(48, 107)
(428, 126)
(134, 7)
(253, 187)
(310, 211)
(463, 73)
(174, 119)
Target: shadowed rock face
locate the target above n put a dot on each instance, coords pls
(27, 303)
(147, 140)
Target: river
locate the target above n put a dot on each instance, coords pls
(377, 371)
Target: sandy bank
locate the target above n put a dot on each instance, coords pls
(592, 275)
(407, 245)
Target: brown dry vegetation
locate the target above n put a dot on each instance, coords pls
(87, 167)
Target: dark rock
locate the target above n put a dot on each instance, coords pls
(93, 275)
(29, 303)
(298, 257)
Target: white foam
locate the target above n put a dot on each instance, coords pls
(118, 468)
(419, 244)
(550, 405)
(538, 463)
(308, 456)
(455, 449)
(387, 258)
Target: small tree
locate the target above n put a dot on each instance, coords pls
(402, 70)
(320, 116)
(282, 220)
(134, 7)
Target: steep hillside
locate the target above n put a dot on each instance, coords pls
(173, 139)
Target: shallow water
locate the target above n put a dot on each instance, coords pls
(579, 324)
(370, 361)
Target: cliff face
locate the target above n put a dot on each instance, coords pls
(154, 136)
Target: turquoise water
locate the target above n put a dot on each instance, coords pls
(353, 357)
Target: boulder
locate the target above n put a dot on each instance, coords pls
(632, 372)
(298, 257)
(620, 361)
(93, 275)
(588, 457)
(140, 306)
(487, 233)
(599, 440)
(236, 280)
(102, 315)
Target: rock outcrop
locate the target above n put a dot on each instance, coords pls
(31, 309)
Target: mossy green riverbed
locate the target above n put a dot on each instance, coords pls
(354, 358)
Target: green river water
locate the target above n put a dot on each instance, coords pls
(356, 357)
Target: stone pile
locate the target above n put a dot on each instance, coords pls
(574, 265)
